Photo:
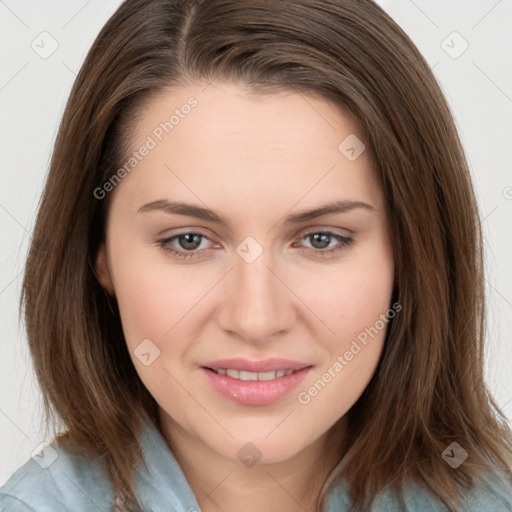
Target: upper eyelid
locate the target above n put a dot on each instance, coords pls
(308, 229)
(302, 234)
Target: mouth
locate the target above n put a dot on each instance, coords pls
(255, 382)
(252, 376)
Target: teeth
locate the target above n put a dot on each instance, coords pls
(248, 376)
(243, 375)
(266, 375)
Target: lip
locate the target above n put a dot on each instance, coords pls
(256, 393)
(265, 365)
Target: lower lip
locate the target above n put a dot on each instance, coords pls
(255, 392)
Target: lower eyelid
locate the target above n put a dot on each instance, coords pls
(335, 236)
(343, 241)
(168, 242)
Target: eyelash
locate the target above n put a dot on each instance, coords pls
(321, 253)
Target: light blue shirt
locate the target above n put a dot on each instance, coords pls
(57, 481)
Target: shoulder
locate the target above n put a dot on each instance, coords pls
(493, 492)
(55, 480)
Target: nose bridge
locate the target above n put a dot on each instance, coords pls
(257, 304)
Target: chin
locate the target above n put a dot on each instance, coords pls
(260, 449)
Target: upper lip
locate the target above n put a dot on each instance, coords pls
(265, 365)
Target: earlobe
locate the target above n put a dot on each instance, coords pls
(102, 270)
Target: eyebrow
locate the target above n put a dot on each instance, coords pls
(190, 210)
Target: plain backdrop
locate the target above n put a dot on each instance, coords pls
(42, 45)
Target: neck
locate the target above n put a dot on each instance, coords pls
(221, 484)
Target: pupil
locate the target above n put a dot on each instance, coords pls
(324, 242)
(190, 243)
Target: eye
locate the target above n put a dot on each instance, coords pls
(320, 240)
(188, 244)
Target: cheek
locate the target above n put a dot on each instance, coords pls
(359, 309)
(356, 304)
(360, 319)
(152, 295)
(350, 296)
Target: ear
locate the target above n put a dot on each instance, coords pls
(102, 270)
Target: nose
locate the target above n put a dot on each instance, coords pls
(257, 304)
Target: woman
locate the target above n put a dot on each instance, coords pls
(256, 279)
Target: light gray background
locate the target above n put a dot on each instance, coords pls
(33, 91)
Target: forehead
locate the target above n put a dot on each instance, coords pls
(222, 141)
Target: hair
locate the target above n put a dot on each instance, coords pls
(428, 389)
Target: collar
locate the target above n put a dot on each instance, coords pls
(160, 482)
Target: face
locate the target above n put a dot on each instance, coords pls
(221, 297)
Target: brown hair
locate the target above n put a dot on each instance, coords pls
(428, 390)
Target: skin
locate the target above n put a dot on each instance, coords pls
(253, 159)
